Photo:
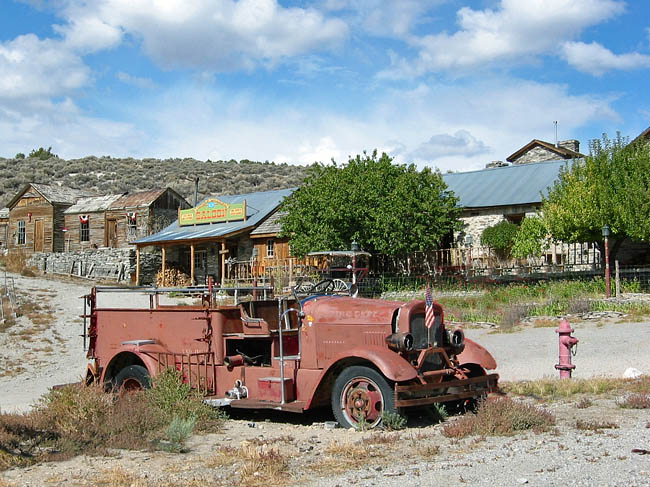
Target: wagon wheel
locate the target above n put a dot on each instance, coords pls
(304, 287)
(340, 286)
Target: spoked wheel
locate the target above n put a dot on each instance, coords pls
(304, 287)
(360, 396)
(340, 286)
(132, 378)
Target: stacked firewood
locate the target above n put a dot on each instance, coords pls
(172, 278)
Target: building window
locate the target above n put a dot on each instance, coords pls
(270, 247)
(22, 236)
(84, 232)
(132, 225)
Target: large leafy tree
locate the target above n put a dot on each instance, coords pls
(610, 187)
(385, 207)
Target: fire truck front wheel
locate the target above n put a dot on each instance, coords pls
(133, 378)
(360, 397)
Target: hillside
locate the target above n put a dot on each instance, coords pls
(106, 175)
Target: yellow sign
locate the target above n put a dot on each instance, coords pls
(212, 211)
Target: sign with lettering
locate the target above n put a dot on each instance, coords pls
(212, 211)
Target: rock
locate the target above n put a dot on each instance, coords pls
(522, 481)
(632, 373)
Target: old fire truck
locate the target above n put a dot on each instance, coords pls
(362, 356)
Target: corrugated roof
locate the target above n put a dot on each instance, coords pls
(258, 207)
(93, 204)
(504, 186)
(53, 194)
(137, 199)
(270, 225)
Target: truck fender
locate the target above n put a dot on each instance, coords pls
(476, 354)
(390, 364)
(129, 355)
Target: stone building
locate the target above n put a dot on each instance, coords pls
(539, 151)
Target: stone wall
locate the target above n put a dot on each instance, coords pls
(537, 154)
(475, 221)
(99, 264)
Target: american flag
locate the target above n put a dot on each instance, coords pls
(429, 317)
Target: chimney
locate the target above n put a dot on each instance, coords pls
(571, 144)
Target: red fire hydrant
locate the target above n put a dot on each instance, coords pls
(566, 343)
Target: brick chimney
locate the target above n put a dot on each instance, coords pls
(571, 144)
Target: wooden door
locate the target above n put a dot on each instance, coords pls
(38, 236)
(111, 233)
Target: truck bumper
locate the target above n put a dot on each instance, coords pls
(453, 390)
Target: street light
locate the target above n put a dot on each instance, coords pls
(608, 288)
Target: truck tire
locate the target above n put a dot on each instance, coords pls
(133, 378)
(360, 396)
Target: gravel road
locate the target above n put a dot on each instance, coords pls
(566, 456)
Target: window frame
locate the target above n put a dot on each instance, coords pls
(270, 248)
(21, 232)
(84, 231)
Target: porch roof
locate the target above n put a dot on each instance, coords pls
(258, 207)
(517, 184)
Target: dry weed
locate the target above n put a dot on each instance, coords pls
(343, 456)
(500, 417)
(635, 401)
(118, 477)
(595, 425)
(584, 403)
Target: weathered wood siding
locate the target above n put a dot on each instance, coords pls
(73, 236)
(41, 210)
(281, 248)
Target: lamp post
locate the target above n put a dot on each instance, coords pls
(608, 288)
(468, 253)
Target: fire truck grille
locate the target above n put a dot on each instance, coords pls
(423, 337)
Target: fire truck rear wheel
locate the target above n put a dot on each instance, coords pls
(133, 378)
(360, 396)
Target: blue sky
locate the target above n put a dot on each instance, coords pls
(441, 83)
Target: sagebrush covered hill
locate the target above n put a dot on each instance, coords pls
(105, 175)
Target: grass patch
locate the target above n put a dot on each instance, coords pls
(500, 417)
(257, 466)
(560, 388)
(78, 418)
(344, 456)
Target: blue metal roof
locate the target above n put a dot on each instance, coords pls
(258, 207)
(504, 186)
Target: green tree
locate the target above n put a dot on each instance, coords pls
(385, 207)
(530, 239)
(20, 155)
(42, 154)
(500, 237)
(610, 187)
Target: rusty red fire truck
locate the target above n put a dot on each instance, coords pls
(363, 357)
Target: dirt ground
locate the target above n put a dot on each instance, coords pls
(37, 353)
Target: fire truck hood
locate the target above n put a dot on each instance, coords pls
(346, 310)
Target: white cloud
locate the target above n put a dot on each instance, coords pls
(145, 83)
(32, 67)
(462, 144)
(382, 18)
(208, 34)
(512, 31)
(595, 59)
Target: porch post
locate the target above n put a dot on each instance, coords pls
(192, 264)
(223, 263)
(164, 257)
(137, 265)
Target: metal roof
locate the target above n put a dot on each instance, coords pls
(140, 199)
(504, 186)
(93, 204)
(258, 207)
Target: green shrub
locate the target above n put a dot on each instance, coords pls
(530, 239)
(393, 421)
(500, 237)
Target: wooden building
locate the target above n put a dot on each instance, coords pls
(267, 246)
(4, 227)
(119, 219)
(206, 240)
(36, 217)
